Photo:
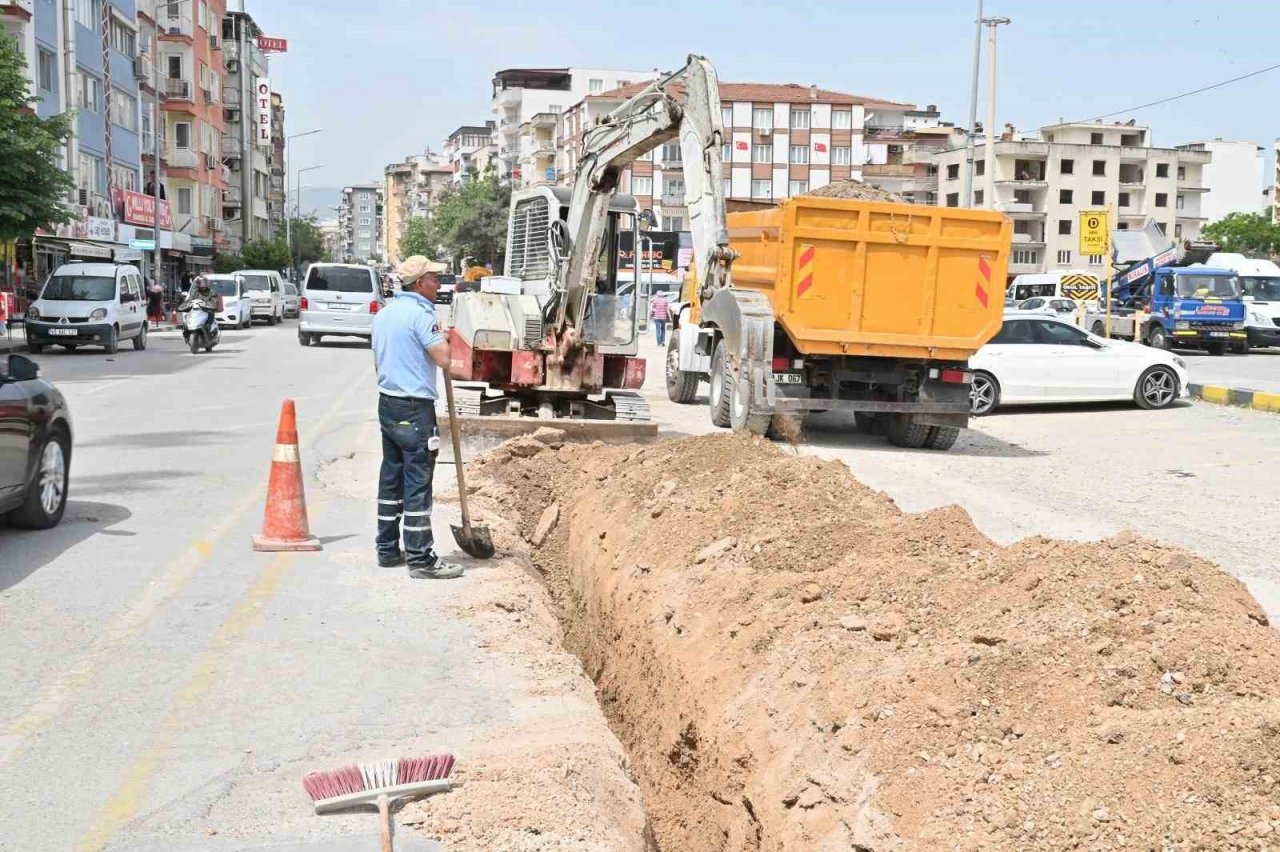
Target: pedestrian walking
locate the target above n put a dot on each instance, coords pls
(155, 303)
(659, 312)
(408, 346)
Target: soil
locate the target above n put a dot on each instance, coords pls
(855, 189)
(793, 663)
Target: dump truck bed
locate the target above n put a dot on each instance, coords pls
(850, 277)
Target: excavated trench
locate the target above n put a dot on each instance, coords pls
(794, 664)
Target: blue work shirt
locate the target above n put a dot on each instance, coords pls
(402, 332)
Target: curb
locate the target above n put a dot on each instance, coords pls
(1257, 400)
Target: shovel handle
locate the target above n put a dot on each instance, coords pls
(457, 451)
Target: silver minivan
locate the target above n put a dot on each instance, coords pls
(338, 299)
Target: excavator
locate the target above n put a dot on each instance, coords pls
(555, 338)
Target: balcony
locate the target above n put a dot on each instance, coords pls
(174, 28)
(1132, 153)
(873, 170)
(231, 147)
(673, 199)
(1188, 157)
(1193, 188)
(231, 96)
(231, 196)
(1183, 216)
(1023, 183)
(176, 89)
(508, 97)
(544, 119)
(1025, 268)
(182, 158)
(20, 10)
(1027, 241)
(1025, 150)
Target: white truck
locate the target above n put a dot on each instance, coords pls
(1260, 280)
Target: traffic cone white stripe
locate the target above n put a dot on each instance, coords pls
(285, 453)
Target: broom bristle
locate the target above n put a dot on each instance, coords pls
(376, 775)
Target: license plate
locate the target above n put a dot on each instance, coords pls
(340, 306)
(1219, 334)
(788, 378)
(63, 332)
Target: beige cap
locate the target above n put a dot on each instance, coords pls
(413, 268)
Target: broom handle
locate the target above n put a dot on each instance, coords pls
(384, 818)
(457, 452)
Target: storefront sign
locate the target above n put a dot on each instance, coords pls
(96, 228)
(267, 44)
(128, 256)
(138, 209)
(262, 95)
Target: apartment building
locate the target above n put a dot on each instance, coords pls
(1233, 178)
(463, 144)
(278, 188)
(900, 142)
(412, 190)
(246, 149)
(527, 102)
(1043, 184)
(360, 223)
(1275, 185)
(780, 140)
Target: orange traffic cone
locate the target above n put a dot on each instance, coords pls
(284, 524)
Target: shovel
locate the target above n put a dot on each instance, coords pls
(475, 541)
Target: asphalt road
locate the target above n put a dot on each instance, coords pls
(1259, 370)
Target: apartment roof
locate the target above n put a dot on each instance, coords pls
(792, 93)
(471, 128)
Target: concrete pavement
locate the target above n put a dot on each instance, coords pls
(1257, 371)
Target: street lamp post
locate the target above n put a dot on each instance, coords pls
(966, 194)
(989, 186)
(288, 163)
(297, 206)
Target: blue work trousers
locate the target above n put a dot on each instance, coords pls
(410, 442)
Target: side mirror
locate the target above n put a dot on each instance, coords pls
(21, 369)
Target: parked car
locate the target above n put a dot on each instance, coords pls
(95, 304)
(339, 299)
(35, 446)
(1037, 359)
(290, 299)
(237, 307)
(266, 289)
(448, 286)
(1044, 304)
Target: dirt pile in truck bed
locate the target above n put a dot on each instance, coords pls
(795, 664)
(855, 189)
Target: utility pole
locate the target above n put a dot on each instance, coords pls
(157, 129)
(989, 185)
(966, 192)
(288, 164)
(247, 109)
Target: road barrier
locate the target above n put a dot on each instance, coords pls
(1257, 400)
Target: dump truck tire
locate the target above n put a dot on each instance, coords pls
(904, 431)
(721, 386)
(942, 437)
(682, 385)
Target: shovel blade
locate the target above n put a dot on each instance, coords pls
(475, 541)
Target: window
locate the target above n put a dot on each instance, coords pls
(365, 208)
(174, 63)
(798, 187)
(953, 199)
(841, 156)
(1177, 232)
(1015, 331)
(365, 234)
(1182, 173)
(124, 110)
(365, 220)
(1026, 256)
(1064, 226)
(671, 152)
(123, 177)
(1098, 198)
(1095, 260)
(1100, 167)
(953, 173)
(1095, 138)
(90, 95)
(642, 186)
(1124, 199)
(88, 14)
(762, 154)
(1162, 227)
(728, 188)
(184, 200)
(673, 223)
(123, 39)
(1162, 199)
(595, 86)
(726, 153)
(979, 167)
(762, 188)
(1064, 196)
(1058, 333)
(762, 118)
(800, 119)
(623, 83)
(1180, 201)
(48, 71)
(726, 116)
(1067, 167)
(1162, 170)
(182, 135)
(479, 140)
(978, 195)
(799, 154)
(841, 119)
(1064, 257)
(673, 188)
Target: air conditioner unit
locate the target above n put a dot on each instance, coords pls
(142, 68)
(82, 197)
(175, 31)
(215, 224)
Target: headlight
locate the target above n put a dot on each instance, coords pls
(32, 312)
(98, 314)
(1178, 360)
(1181, 326)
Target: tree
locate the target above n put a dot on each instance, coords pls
(308, 242)
(266, 254)
(227, 263)
(417, 239)
(471, 220)
(1246, 233)
(32, 186)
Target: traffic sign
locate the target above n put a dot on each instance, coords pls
(143, 245)
(1095, 232)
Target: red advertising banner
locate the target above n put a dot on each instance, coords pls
(138, 209)
(267, 44)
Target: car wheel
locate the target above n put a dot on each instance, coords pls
(1218, 348)
(1158, 338)
(112, 343)
(682, 385)
(904, 431)
(984, 394)
(942, 437)
(1157, 388)
(721, 386)
(140, 342)
(1241, 348)
(1099, 330)
(47, 494)
(304, 339)
(35, 348)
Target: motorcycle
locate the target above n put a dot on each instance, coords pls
(198, 326)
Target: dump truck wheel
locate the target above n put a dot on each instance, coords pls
(942, 437)
(742, 397)
(682, 385)
(721, 386)
(904, 431)
(1158, 338)
(1218, 348)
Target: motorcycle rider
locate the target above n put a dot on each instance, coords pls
(202, 291)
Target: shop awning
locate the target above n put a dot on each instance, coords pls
(84, 248)
(197, 260)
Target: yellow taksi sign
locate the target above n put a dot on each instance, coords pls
(1095, 232)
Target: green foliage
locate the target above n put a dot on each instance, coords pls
(32, 187)
(308, 242)
(1246, 233)
(266, 254)
(469, 221)
(227, 263)
(417, 239)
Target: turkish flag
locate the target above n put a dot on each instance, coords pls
(820, 147)
(740, 145)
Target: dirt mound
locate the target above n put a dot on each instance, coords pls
(795, 664)
(855, 189)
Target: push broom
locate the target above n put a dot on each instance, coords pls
(379, 783)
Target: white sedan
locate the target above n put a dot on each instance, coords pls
(1039, 359)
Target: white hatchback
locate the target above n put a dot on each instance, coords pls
(237, 309)
(1039, 359)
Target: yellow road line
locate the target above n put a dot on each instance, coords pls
(172, 578)
(128, 797)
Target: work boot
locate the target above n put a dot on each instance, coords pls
(440, 570)
(395, 560)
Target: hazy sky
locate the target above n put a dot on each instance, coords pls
(387, 78)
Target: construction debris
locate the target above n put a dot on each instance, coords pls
(855, 189)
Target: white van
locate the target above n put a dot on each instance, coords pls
(89, 304)
(266, 292)
(1260, 280)
(1049, 285)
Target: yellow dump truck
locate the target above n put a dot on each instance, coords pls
(870, 307)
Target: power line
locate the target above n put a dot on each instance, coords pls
(1184, 94)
